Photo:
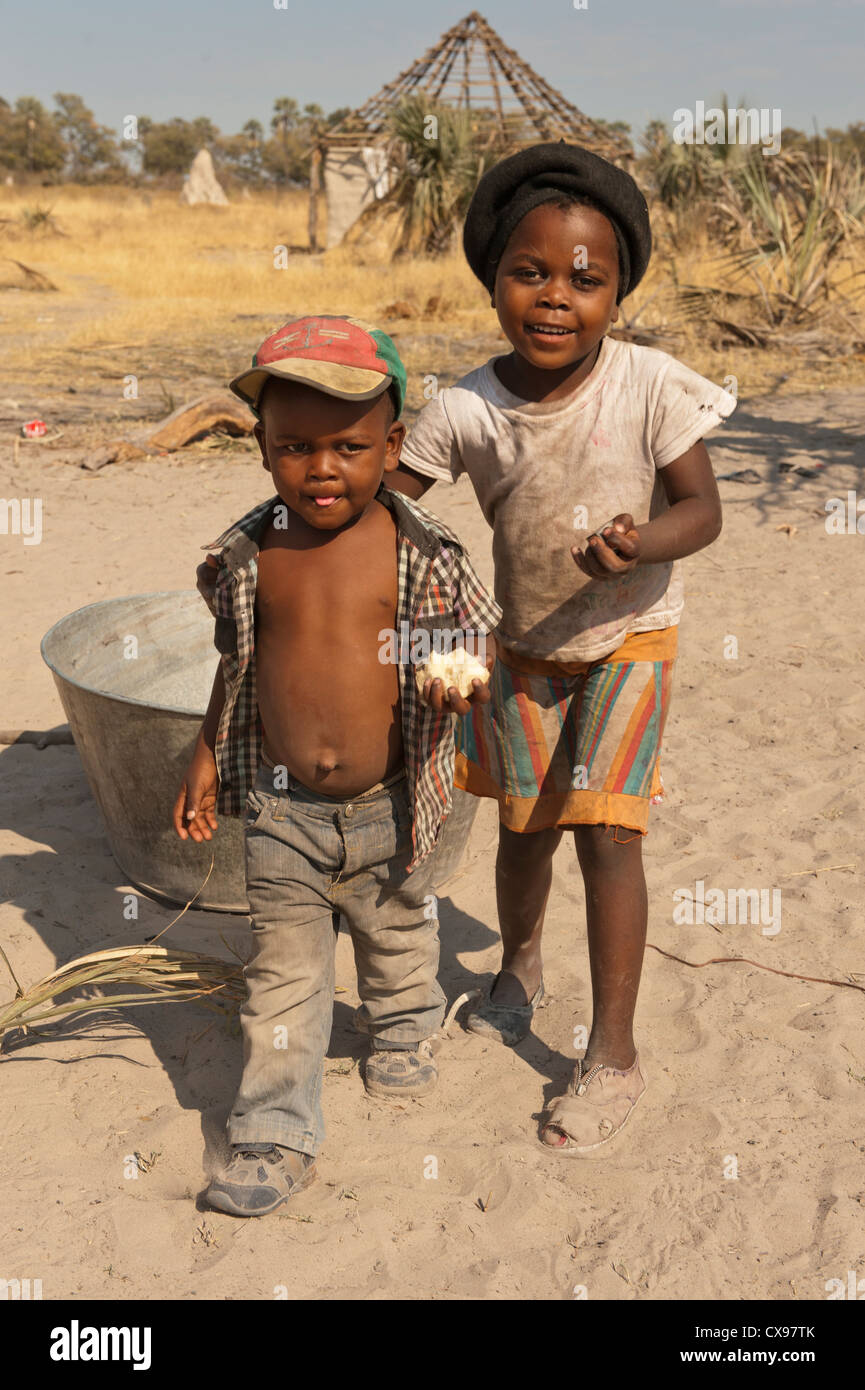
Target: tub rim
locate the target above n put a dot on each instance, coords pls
(107, 694)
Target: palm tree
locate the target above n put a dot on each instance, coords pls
(286, 113)
(436, 165)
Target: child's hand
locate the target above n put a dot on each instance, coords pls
(611, 554)
(451, 701)
(194, 808)
(205, 579)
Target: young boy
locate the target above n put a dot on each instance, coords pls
(570, 430)
(347, 775)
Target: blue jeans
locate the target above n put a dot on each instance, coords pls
(310, 859)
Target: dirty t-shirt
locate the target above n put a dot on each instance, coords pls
(547, 474)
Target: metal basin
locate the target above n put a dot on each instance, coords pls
(135, 718)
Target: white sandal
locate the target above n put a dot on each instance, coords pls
(596, 1105)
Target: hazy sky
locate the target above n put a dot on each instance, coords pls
(618, 59)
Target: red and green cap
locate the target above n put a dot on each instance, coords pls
(341, 356)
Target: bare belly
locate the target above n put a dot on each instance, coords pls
(332, 720)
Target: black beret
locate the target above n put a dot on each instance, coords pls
(516, 185)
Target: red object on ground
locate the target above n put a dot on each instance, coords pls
(34, 429)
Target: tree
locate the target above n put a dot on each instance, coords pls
(848, 142)
(241, 154)
(169, 147)
(334, 117)
(614, 127)
(286, 114)
(6, 136)
(29, 138)
(285, 158)
(90, 148)
(206, 133)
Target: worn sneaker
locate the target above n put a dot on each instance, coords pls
(259, 1178)
(410, 1071)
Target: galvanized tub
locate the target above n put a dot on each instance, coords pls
(135, 675)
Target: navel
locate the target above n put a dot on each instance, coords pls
(325, 766)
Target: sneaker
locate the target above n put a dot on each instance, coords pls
(409, 1071)
(259, 1178)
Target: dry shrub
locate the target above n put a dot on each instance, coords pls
(787, 272)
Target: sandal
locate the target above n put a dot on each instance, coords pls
(594, 1108)
(507, 1023)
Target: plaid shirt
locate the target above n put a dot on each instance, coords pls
(438, 588)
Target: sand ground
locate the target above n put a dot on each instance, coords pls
(762, 764)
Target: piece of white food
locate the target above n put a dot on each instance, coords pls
(457, 667)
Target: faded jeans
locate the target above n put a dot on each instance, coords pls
(310, 859)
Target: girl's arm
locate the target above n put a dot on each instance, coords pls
(404, 479)
(692, 522)
(694, 518)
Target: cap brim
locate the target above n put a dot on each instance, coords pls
(334, 379)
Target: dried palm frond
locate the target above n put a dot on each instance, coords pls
(166, 975)
(794, 222)
(792, 219)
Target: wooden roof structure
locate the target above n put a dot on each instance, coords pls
(472, 68)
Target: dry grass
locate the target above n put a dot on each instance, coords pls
(188, 271)
(140, 276)
(700, 262)
(166, 974)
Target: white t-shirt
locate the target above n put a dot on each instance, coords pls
(547, 474)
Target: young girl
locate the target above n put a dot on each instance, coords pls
(570, 434)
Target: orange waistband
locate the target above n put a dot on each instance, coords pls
(661, 644)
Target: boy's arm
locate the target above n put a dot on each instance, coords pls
(194, 807)
(216, 705)
(205, 581)
(692, 522)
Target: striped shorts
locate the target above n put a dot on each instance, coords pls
(571, 743)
